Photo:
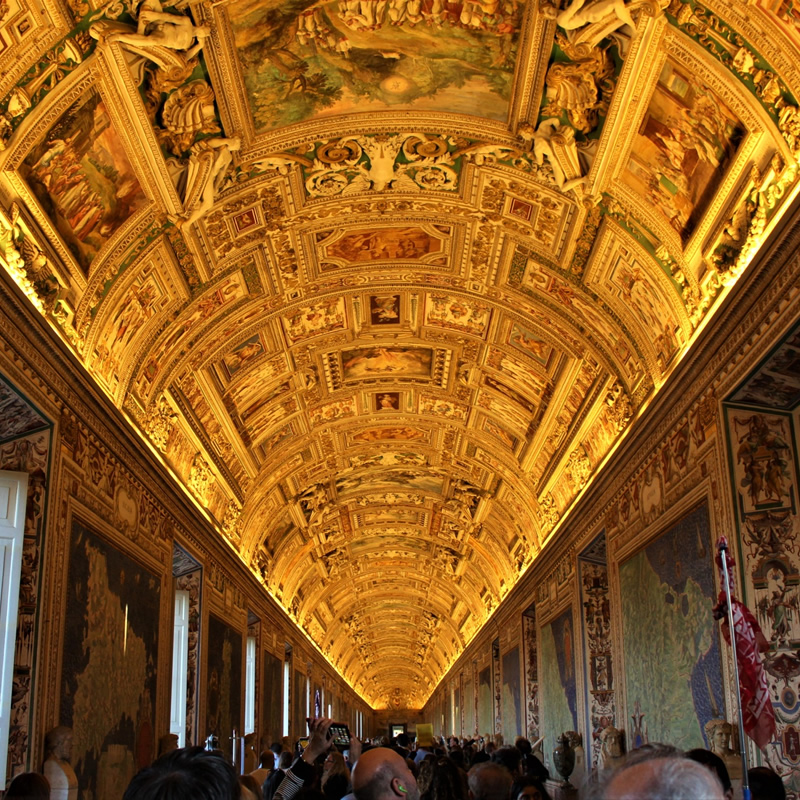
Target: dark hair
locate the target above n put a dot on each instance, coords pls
(447, 782)
(713, 762)
(508, 756)
(190, 773)
(29, 786)
(523, 745)
(766, 784)
(458, 758)
(525, 781)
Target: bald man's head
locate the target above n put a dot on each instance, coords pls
(663, 779)
(382, 774)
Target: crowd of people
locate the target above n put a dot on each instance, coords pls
(428, 769)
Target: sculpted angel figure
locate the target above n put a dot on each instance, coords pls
(543, 138)
(208, 163)
(157, 28)
(600, 17)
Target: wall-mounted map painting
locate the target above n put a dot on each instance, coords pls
(687, 139)
(485, 702)
(301, 59)
(667, 593)
(83, 179)
(512, 695)
(558, 694)
(110, 654)
(224, 683)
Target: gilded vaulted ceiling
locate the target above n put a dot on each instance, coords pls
(384, 281)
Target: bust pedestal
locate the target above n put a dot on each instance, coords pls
(561, 790)
(62, 778)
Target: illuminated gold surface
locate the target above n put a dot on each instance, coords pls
(393, 351)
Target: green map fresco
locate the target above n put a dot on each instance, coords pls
(663, 641)
(556, 715)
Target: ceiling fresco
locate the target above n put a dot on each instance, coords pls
(384, 281)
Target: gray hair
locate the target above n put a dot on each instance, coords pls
(659, 778)
(489, 781)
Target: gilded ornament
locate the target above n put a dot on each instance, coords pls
(576, 87)
(200, 478)
(187, 112)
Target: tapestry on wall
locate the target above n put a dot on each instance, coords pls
(485, 725)
(557, 681)
(271, 717)
(224, 683)
(511, 702)
(108, 674)
(673, 671)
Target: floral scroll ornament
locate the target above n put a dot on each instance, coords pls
(400, 163)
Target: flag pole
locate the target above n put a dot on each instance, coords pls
(722, 546)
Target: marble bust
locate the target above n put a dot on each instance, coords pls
(612, 752)
(57, 769)
(718, 733)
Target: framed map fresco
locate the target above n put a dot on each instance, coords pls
(224, 682)
(512, 695)
(300, 703)
(82, 178)
(468, 715)
(667, 593)
(272, 698)
(108, 673)
(558, 695)
(485, 722)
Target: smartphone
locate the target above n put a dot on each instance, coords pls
(340, 734)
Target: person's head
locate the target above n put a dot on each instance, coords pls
(382, 774)
(334, 764)
(403, 740)
(276, 748)
(523, 745)
(190, 773)
(660, 779)
(713, 762)
(250, 788)
(446, 782)
(509, 757)
(527, 788)
(29, 786)
(266, 760)
(458, 757)
(58, 743)
(489, 781)
(285, 760)
(765, 784)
